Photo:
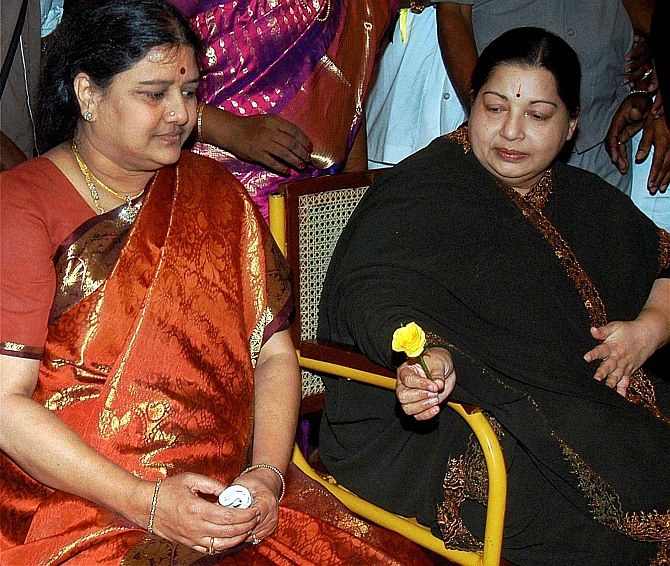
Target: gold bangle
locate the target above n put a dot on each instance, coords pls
(198, 137)
(275, 470)
(639, 91)
(152, 513)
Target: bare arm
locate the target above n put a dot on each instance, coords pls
(57, 456)
(53, 454)
(457, 44)
(639, 12)
(277, 399)
(357, 160)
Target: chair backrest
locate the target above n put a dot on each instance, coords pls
(317, 210)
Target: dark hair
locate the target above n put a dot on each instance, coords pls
(533, 48)
(102, 39)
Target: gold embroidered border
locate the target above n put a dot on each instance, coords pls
(606, 506)
(663, 556)
(55, 558)
(664, 250)
(21, 350)
(460, 136)
(641, 391)
(454, 532)
(156, 551)
(587, 290)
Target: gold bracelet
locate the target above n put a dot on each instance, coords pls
(639, 91)
(201, 107)
(275, 470)
(150, 528)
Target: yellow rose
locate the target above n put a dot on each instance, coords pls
(410, 339)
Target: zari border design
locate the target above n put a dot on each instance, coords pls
(606, 506)
(55, 558)
(17, 350)
(664, 250)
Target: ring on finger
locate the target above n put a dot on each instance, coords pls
(254, 539)
(210, 551)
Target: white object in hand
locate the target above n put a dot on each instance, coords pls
(236, 497)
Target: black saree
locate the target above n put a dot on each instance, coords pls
(510, 285)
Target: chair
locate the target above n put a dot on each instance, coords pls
(306, 220)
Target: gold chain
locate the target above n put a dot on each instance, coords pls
(327, 14)
(92, 181)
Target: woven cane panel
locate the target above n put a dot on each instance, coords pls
(321, 219)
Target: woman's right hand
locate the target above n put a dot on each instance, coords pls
(184, 517)
(418, 395)
(266, 139)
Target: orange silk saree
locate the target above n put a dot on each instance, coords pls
(150, 359)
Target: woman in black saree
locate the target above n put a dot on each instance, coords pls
(543, 291)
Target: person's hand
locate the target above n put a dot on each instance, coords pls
(638, 60)
(418, 395)
(265, 487)
(265, 139)
(627, 121)
(656, 133)
(184, 517)
(624, 347)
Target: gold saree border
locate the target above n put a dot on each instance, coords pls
(17, 350)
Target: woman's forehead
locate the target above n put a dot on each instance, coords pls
(522, 80)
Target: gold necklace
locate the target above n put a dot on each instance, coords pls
(92, 181)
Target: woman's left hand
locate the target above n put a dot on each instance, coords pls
(624, 347)
(265, 487)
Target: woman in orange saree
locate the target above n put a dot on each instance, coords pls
(148, 366)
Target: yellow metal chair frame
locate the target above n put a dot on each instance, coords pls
(343, 361)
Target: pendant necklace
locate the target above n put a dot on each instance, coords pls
(129, 211)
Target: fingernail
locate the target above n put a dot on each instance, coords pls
(302, 165)
(432, 394)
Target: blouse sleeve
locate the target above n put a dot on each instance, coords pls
(38, 209)
(28, 279)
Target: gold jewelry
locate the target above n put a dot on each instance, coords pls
(129, 211)
(198, 137)
(639, 91)
(649, 71)
(210, 551)
(324, 18)
(416, 7)
(275, 470)
(254, 539)
(152, 513)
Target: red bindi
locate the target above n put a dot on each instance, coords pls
(182, 71)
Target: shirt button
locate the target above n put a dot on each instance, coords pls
(571, 31)
(447, 96)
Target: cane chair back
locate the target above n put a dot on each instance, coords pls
(306, 220)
